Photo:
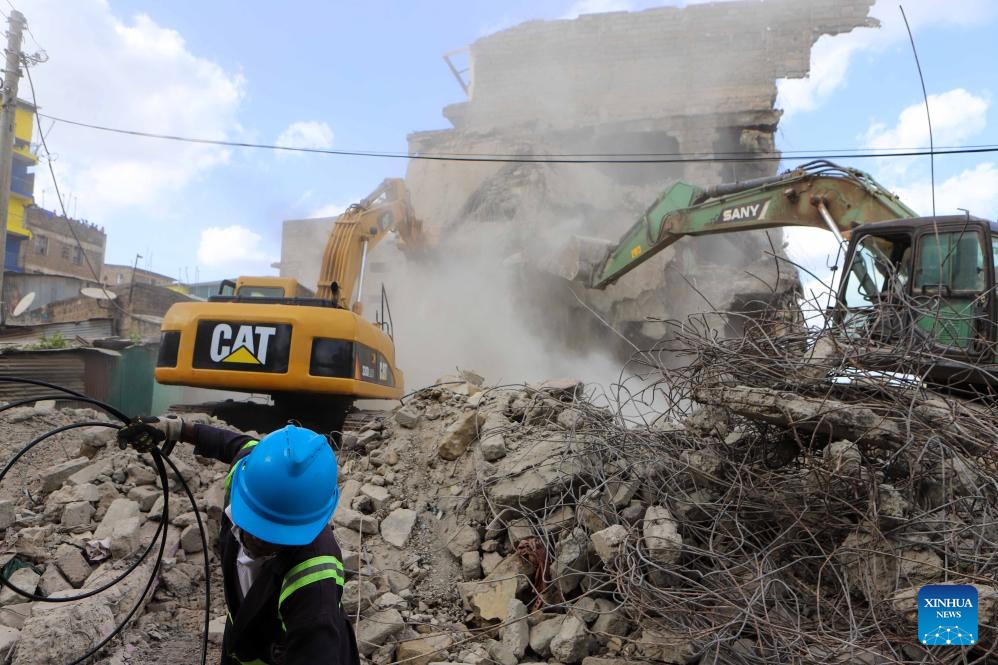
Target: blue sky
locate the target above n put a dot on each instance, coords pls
(364, 75)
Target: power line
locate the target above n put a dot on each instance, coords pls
(661, 158)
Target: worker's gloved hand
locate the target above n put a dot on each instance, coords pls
(144, 433)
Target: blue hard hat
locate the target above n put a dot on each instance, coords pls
(285, 490)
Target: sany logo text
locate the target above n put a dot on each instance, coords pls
(247, 344)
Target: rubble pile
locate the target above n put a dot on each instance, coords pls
(527, 524)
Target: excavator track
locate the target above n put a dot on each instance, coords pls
(260, 417)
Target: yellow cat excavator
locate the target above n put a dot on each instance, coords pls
(312, 354)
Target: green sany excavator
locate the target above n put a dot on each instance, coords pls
(925, 283)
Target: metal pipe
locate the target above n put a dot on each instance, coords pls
(830, 222)
(363, 268)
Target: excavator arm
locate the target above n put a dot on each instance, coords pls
(356, 232)
(819, 194)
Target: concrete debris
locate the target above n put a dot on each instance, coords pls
(553, 551)
(459, 435)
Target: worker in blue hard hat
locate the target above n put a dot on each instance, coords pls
(281, 566)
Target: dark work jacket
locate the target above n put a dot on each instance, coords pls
(309, 625)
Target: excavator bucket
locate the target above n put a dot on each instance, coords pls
(579, 258)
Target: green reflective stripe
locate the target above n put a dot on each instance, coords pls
(255, 661)
(329, 572)
(316, 569)
(228, 476)
(308, 563)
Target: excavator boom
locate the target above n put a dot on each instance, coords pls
(818, 194)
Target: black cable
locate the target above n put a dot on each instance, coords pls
(538, 159)
(160, 461)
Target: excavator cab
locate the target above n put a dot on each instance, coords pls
(927, 284)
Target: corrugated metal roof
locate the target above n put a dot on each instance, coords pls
(88, 330)
(66, 368)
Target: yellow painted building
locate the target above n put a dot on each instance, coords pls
(22, 183)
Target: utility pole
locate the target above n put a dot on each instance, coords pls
(11, 75)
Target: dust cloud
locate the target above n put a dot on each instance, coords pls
(465, 307)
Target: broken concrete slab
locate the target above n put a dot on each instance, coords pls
(355, 520)
(24, 579)
(515, 631)
(533, 472)
(53, 477)
(397, 526)
(661, 535)
(72, 565)
(573, 641)
(375, 630)
(118, 511)
(608, 542)
(542, 634)
(423, 650)
(460, 434)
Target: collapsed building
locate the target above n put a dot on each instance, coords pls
(694, 87)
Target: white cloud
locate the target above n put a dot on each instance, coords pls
(131, 74)
(832, 56)
(306, 134)
(234, 247)
(975, 190)
(957, 115)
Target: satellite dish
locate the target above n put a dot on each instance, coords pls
(99, 294)
(23, 304)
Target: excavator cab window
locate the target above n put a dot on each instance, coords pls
(260, 292)
(877, 284)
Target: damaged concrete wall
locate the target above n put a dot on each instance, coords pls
(694, 81)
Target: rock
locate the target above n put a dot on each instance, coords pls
(7, 513)
(526, 477)
(8, 638)
(500, 653)
(542, 634)
(140, 474)
(661, 535)
(666, 647)
(607, 542)
(379, 495)
(459, 435)
(493, 447)
(14, 615)
(52, 582)
(119, 511)
(461, 538)
(585, 608)
(24, 579)
(358, 595)
(471, 566)
(562, 389)
(424, 650)
(570, 419)
(190, 539)
(55, 476)
(396, 528)
(77, 514)
(125, 536)
(595, 512)
(571, 560)
(62, 634)
(90, 473)
(611, 621)
(216, 629)
(573, 642)
(73, 565)
(377, 629)
(408, 416)
(355, 520)
(145, 496)
(488, 599)
(515, 631)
